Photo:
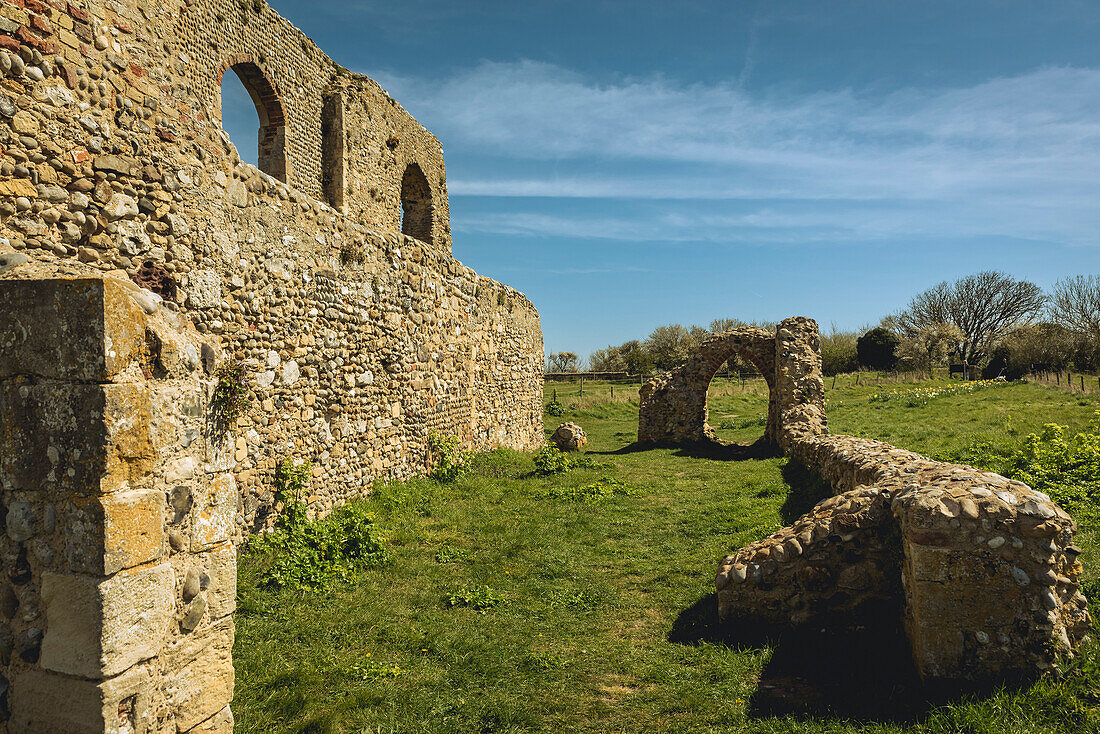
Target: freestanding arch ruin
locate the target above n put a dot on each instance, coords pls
(982, 569)
(674, 404)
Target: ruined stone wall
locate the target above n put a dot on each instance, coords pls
(982, 569)
(119, 568)
(358, 339)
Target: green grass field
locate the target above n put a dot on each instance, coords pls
(508, 607)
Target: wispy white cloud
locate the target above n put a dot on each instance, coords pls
(1010, 156)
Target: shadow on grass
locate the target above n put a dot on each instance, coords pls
(856, 669)
(807, 488)
(717, 450)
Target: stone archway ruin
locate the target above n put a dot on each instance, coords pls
(982, 568)
(674, 404)
(271, 155)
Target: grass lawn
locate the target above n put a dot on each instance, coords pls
(509, 607)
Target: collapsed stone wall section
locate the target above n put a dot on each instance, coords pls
(989, 577)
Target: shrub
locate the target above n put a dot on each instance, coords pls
(838, 352)
(877, 349)
(1067, 469)
(555, 408)
(448, 460)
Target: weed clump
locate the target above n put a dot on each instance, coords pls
(594, 493)
(448, 460)
(304, 553)
(230, 394)
(478, 598)
(549, 460)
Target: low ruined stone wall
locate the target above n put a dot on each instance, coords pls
(989, 578)
(982, 568)
(120, 572)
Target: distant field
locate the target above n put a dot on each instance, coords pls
(508, 607)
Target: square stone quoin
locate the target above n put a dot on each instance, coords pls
(131, 630)
(989, 576)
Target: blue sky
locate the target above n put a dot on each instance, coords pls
(628, 164)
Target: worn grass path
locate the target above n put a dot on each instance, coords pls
(506, 610)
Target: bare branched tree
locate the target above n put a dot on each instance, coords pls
(1075, 305)
(984, 306)
(563, 362)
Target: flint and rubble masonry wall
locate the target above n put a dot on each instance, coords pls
(982, 568)
(358, 339)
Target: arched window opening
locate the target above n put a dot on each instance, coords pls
(416, 204)
(332, 150)
(268, 124)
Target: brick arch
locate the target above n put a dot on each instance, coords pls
(416, 204)
(674, 404)
(272, 144)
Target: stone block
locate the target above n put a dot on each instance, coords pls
(48, 703)
(220, 565)
(219, 723)
(937, 651)
(75, 438)
(79, 329)
(214, 512)
(199, 678)
(133, 529)
(99, 627)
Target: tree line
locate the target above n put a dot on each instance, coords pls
(989, 320)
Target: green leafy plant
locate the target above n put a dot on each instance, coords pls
(594, 493)
(448, 460)
(304, 553)
(230, 398)
(478, 598)
(555, 408)
(549, 460)
(451, 554)
(1066, 468)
